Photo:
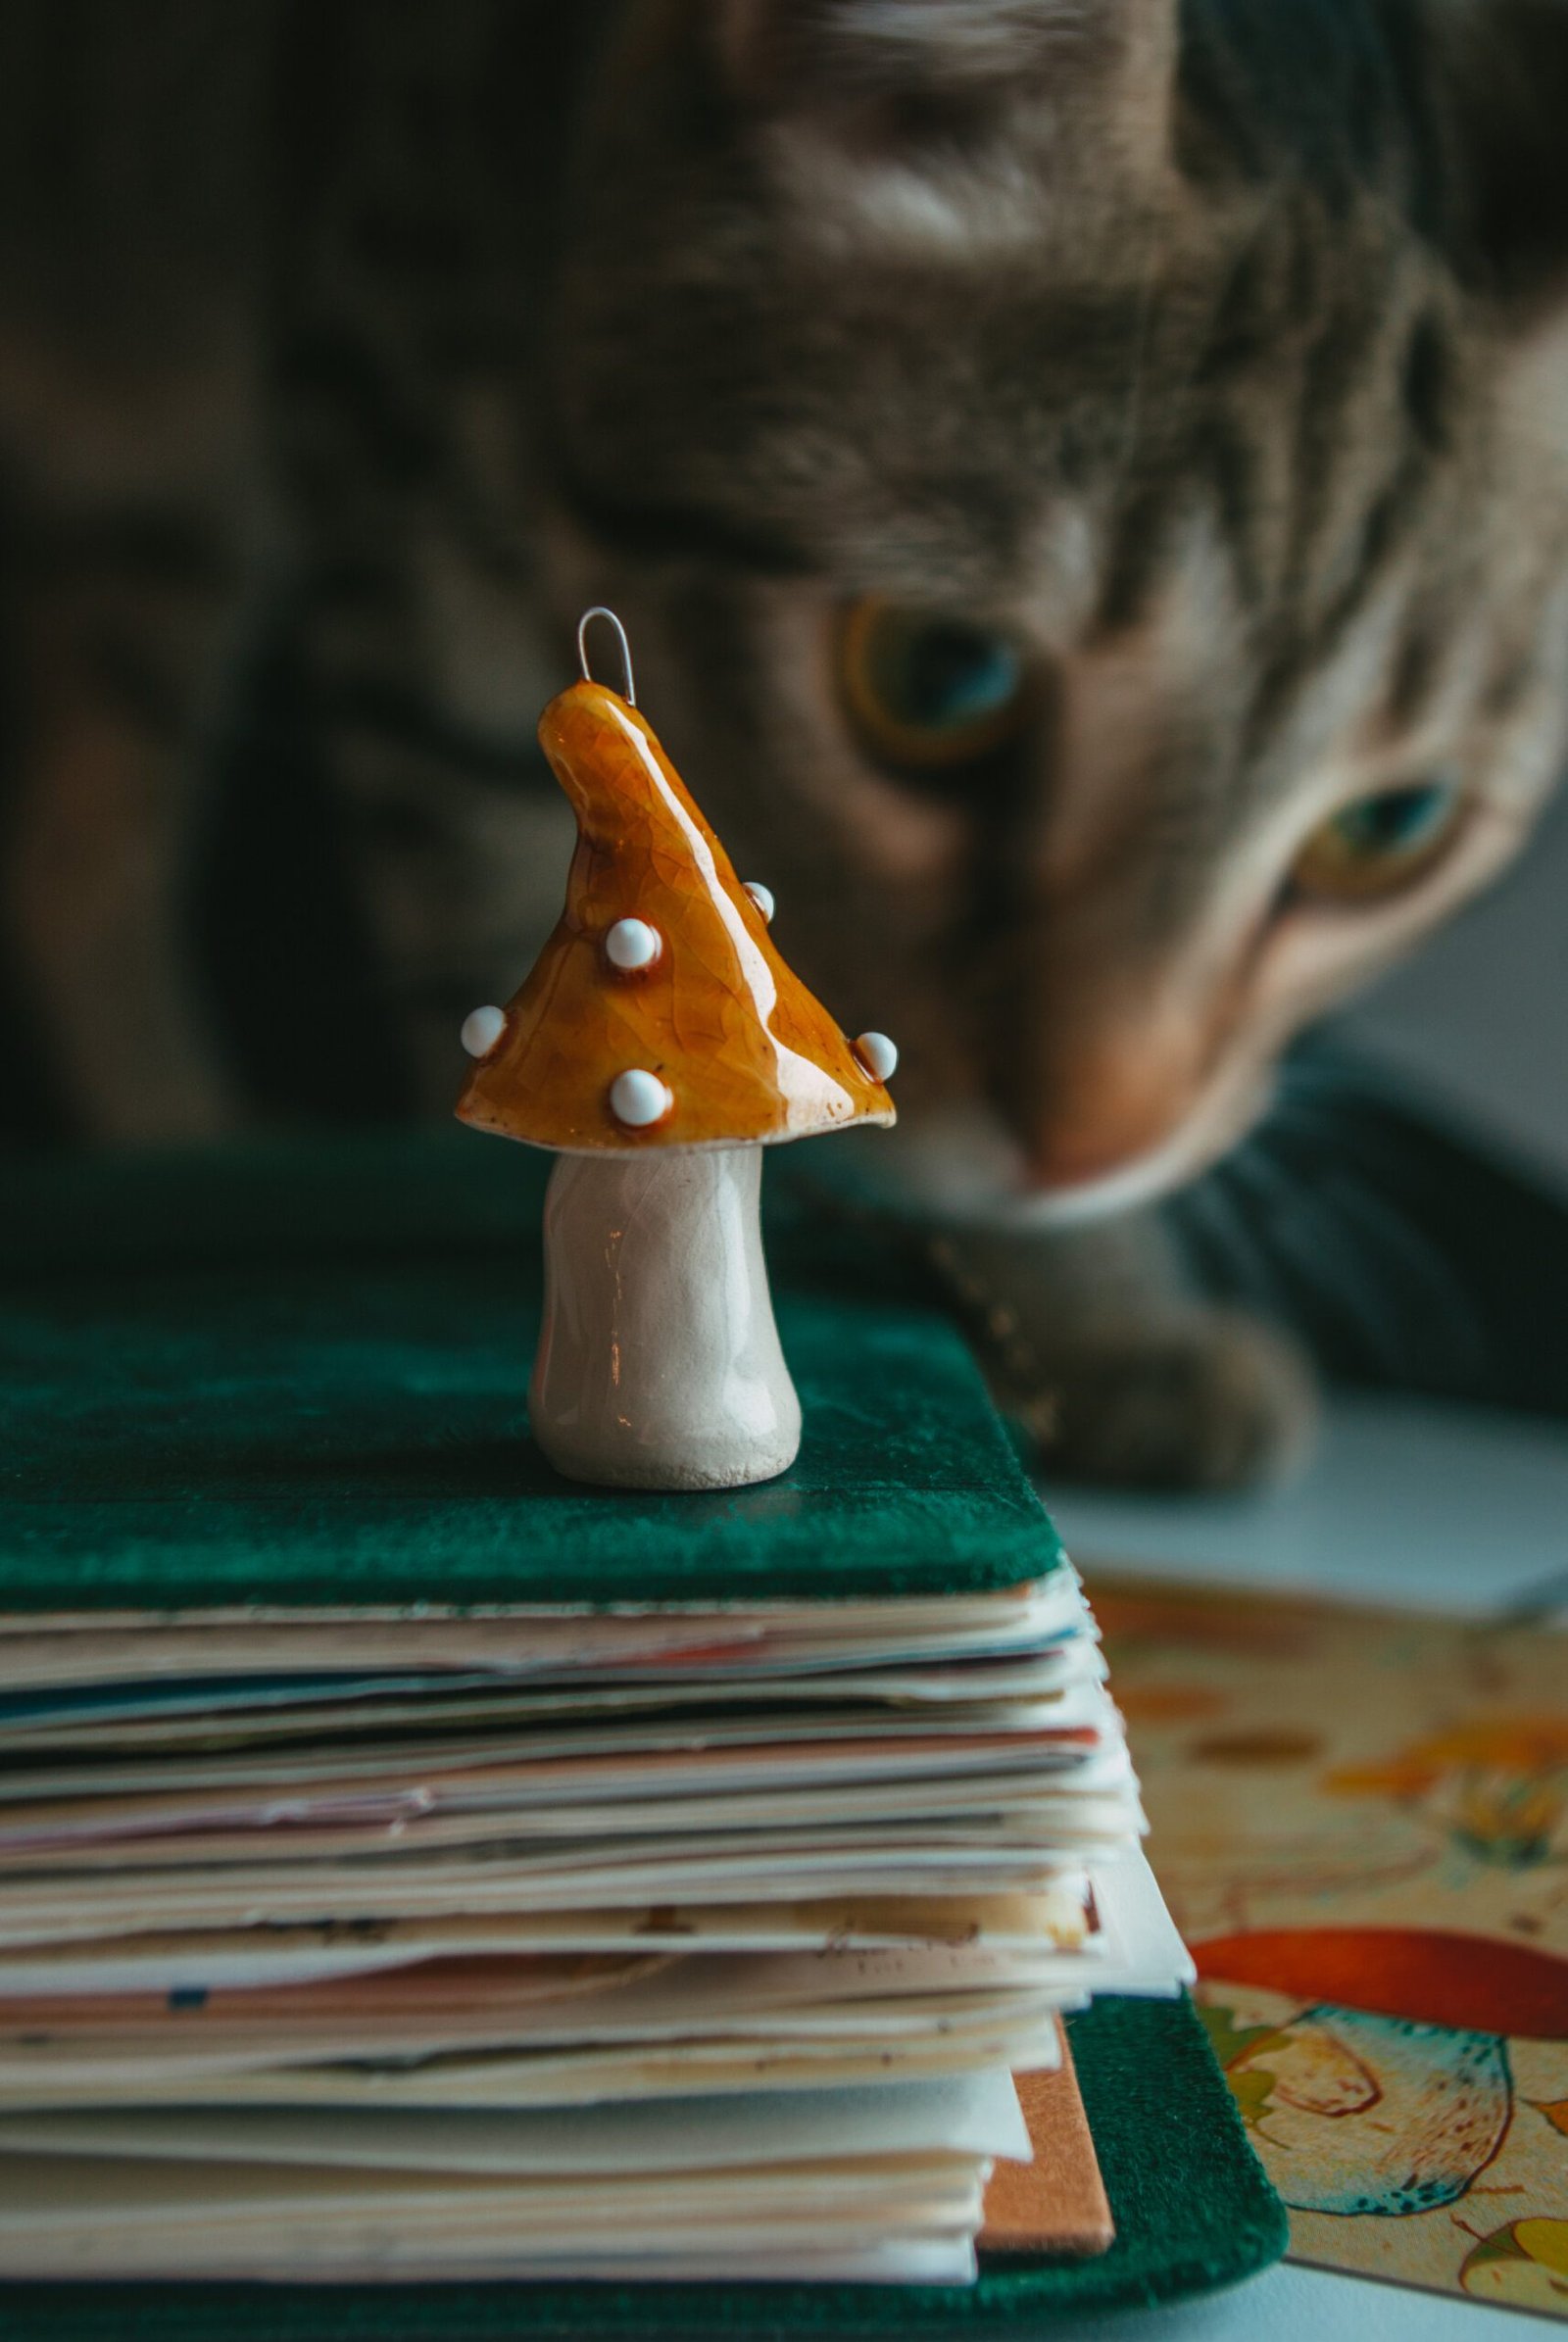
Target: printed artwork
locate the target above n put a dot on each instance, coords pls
(1360, 1822)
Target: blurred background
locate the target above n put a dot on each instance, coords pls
(1410, 1217)
(1478, 1023)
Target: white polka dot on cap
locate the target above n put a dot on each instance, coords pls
(878, 1055)
(638, 1098)
(631, 944)
(482, 1028)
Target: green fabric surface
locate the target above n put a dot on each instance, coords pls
(298, 1374)
(1192, 2207)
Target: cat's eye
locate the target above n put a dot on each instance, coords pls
(1378, 843)
(926, 693)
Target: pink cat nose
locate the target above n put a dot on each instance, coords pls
(1106, 1111)
(1078, 1159)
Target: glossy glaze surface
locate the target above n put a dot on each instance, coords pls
(658, 1363)
(749, 1053)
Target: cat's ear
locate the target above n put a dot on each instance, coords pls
(884, 79)
(1502, 99)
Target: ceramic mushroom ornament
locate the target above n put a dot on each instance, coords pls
(658, 1045)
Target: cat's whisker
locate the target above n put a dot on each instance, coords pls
(1314, 1123)
(1243, 1260)
(1312, 1239)
(1451, 1315)
(1306, 1238)
(1424, 1307)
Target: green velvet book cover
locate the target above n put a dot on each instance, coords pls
(299, 1375)
(296, 1374)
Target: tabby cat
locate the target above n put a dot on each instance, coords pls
(1086, 480)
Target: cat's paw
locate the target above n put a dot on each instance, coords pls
(1122, 1376)
(1213, 1401)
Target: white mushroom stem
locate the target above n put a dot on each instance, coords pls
(658, 1363)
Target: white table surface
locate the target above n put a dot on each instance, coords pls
(1407, 1506)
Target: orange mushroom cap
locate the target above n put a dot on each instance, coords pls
(745, 1050)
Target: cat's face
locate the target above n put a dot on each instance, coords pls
(1093, 551)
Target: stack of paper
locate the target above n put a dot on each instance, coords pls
(666, 1942)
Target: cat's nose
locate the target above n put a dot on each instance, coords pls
(1100, 1110)
(1080, 1154)
(1099, 1057)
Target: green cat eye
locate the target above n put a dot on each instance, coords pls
(926, 690)
(1378, 844)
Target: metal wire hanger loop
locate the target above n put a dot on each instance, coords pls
(630, 694)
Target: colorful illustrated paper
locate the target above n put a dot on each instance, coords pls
(1360, 1823)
